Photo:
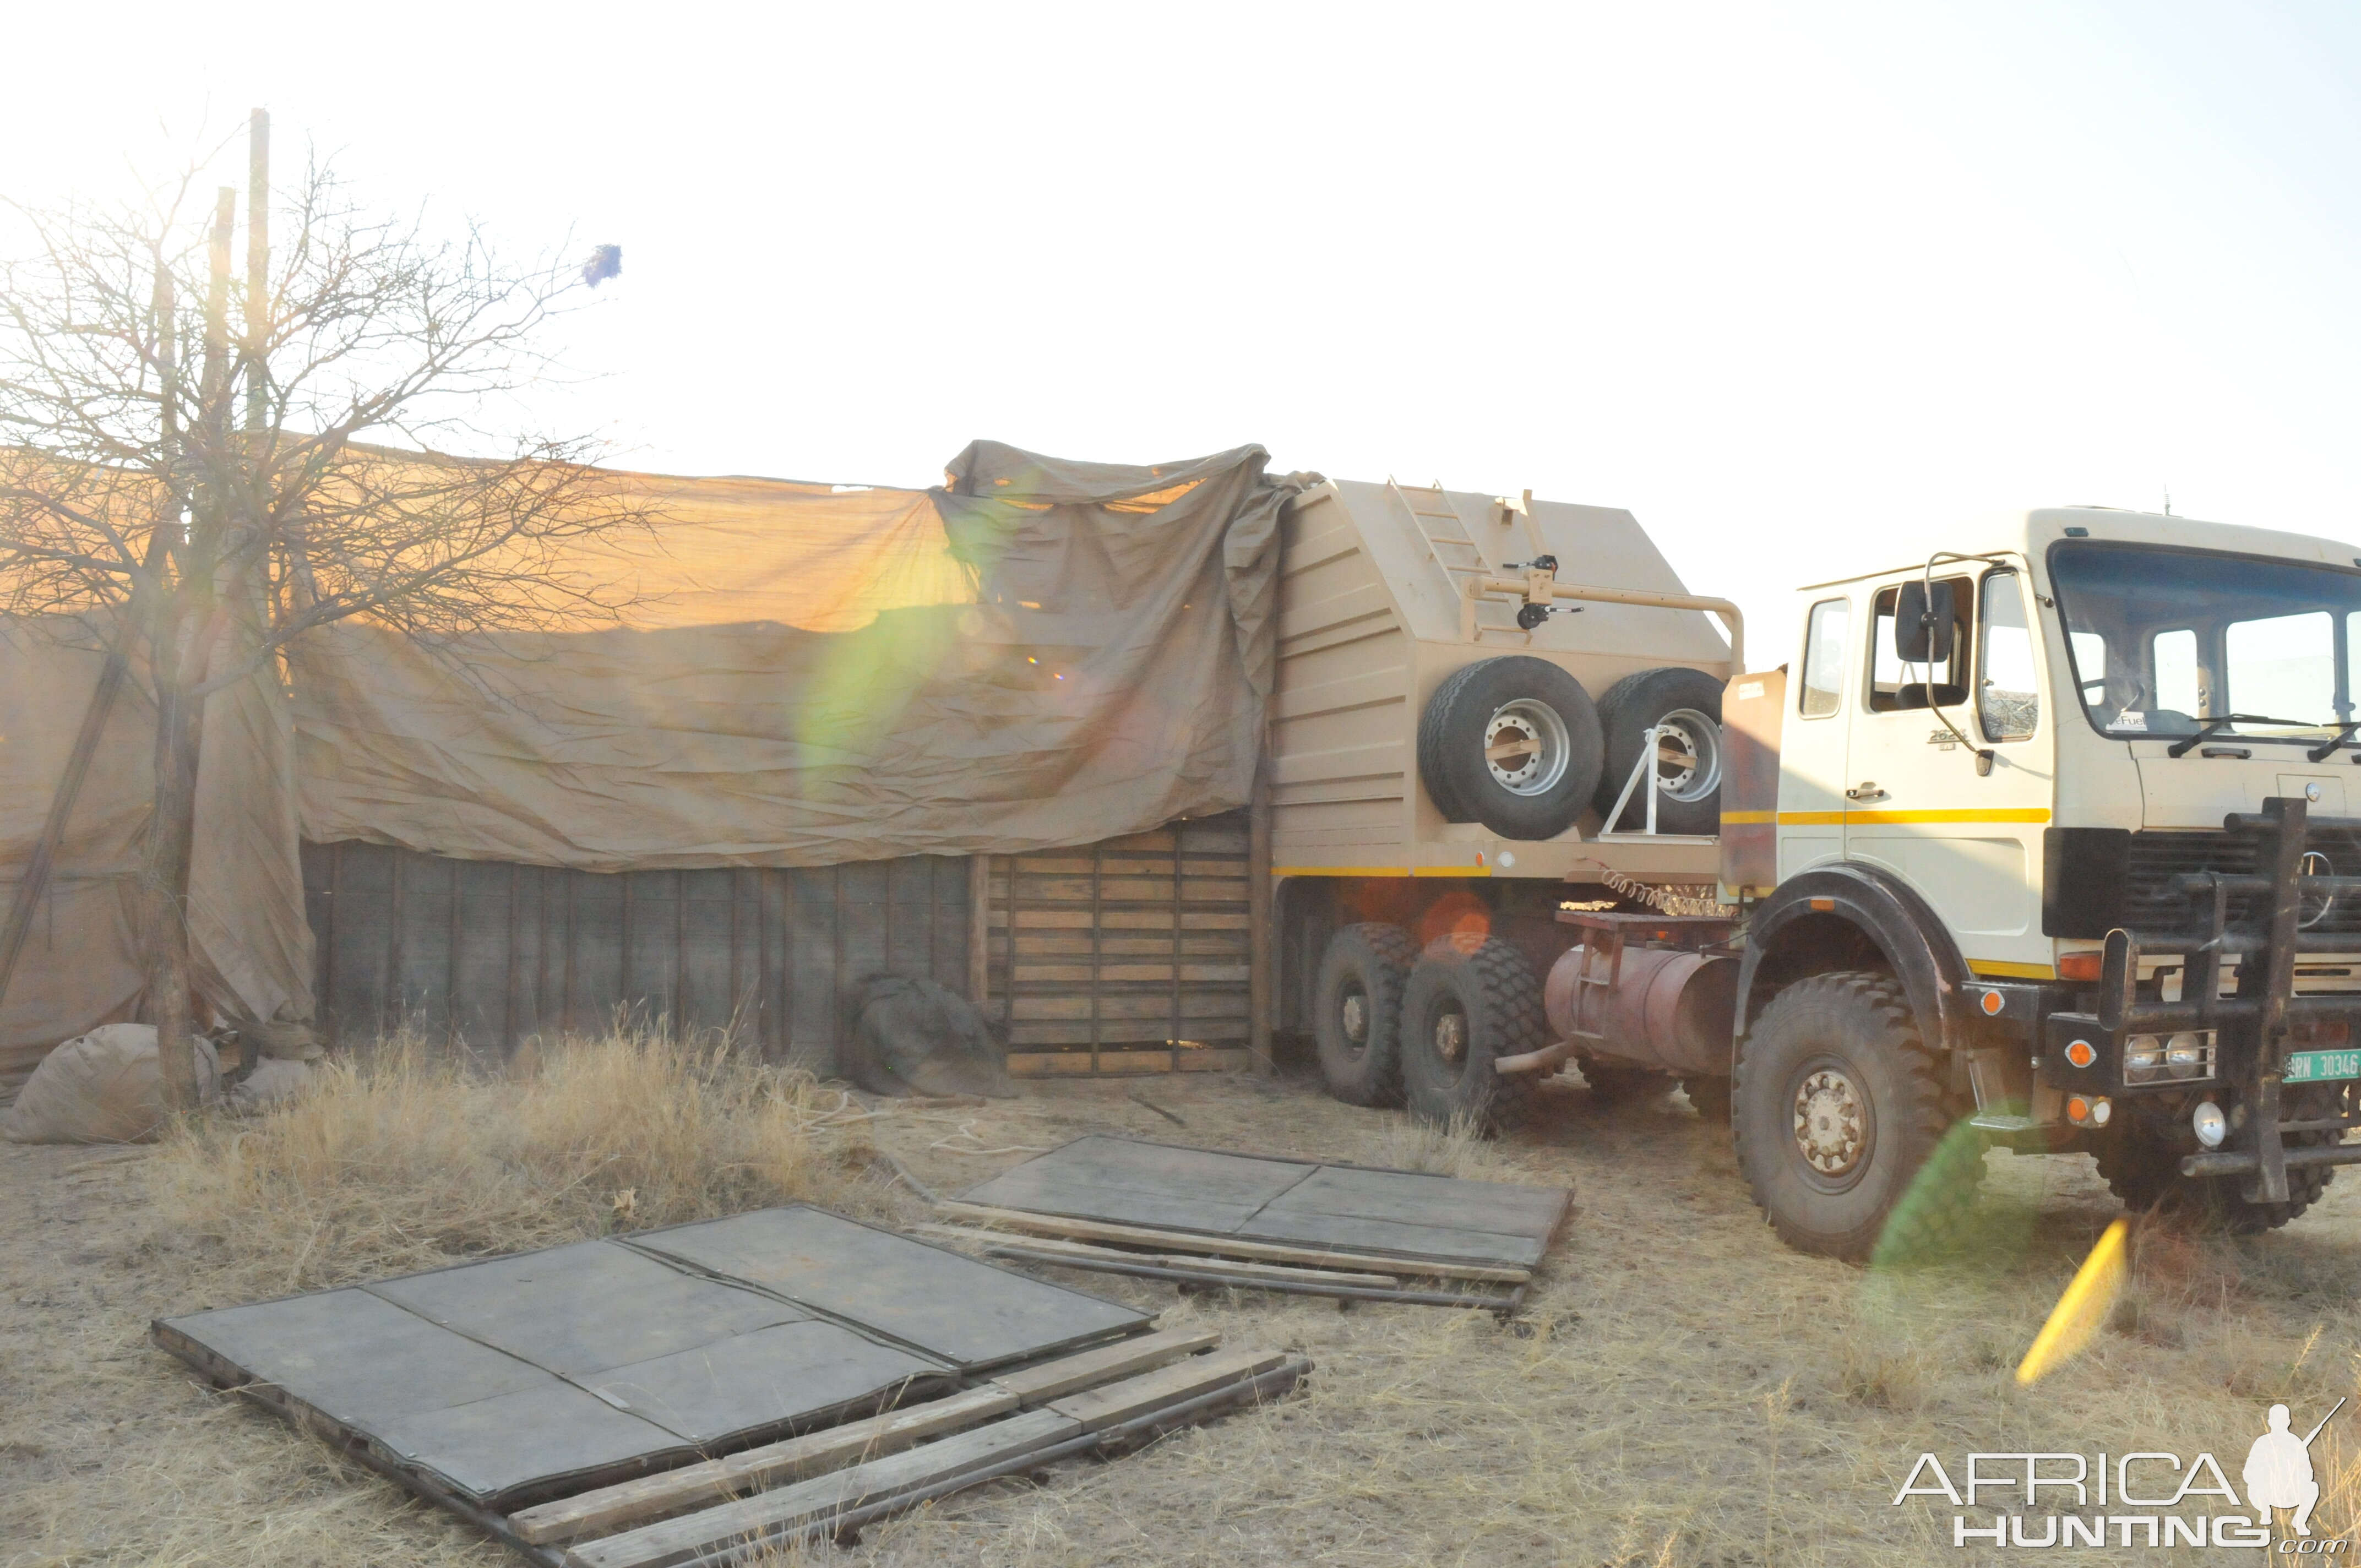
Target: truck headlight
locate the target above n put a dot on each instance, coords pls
(2210, 1125)
(2143, 1059)
(2189, 1055)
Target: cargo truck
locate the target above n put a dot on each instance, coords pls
(2038, 840)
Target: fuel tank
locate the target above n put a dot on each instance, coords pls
(1668, 1009)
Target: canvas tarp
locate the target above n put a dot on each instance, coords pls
(250, 947)
(1038, 654)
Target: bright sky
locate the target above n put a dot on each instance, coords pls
(1776, 278)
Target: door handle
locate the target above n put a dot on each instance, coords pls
(1865, 790)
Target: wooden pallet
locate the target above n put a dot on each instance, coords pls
(827, 1485)
(1197, 1261)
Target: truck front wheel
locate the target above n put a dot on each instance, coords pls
(2141, 1162)
(1838, 1110)
(1357, 1025)
(1469, 1003)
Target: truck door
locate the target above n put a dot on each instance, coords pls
(1969, 840)
(1812, 746)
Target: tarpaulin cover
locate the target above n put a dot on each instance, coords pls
(1038, 654)
(250, 947)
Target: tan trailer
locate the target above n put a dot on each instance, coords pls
(1386, 591)
(1468, 686)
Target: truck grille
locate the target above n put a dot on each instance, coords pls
(2153, 901)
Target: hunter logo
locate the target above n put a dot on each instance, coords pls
(2279, 1471)
(2134, 1499)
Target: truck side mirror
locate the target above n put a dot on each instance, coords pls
(1922, 626)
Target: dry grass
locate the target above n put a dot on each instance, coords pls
(1683, 1393)
(411, 1157)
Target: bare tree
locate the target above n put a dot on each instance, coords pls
(200, 501)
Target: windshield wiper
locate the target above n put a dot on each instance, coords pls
(2211, 727)
(2343, 737)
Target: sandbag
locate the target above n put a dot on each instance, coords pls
(914, 1035)
(274, 1081)
(105, 1087)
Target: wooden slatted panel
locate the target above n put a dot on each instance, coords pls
(493, 954)
(1103, 959)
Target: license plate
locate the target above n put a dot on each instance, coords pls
(2320, 1067)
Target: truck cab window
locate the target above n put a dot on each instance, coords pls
(1824, 657)
(2284, 665)
(2179, 684)
(2091, 665)
(2008, 698)
(2166, 641)
(1895, 685)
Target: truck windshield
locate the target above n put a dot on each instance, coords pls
(2163, 639)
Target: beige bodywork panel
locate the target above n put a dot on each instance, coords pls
(1370, 624)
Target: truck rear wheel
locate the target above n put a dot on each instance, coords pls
(1469, 1003)
(1710, 1099)
(1358, 1025)
(1688, 760)
(1613, 1085)
(1839, 1121)
(1513, 743)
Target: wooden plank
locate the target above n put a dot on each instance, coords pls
(807, 1503)
(1053, 865)
(1212, 1060)
(1231, 1246)
(1040, 973)
(632, 1502)
(610, 1509)
(1085, 1254)
(1122, 1063)
(1095, 1410)
(1034, 1009)
(1049, 1034)
(1028, 919)
(1049, 1064)
(1034, 1386)
(1061, 890)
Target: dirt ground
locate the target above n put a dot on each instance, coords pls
(1680, 1391)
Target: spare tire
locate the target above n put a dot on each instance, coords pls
(1688, 767)
(1513, 743)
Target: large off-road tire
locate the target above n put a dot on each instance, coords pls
(1688, 767)
(1613, 1084)
(1357, 1021)
(2141, 1157)
(1513, 743)
(1838, 1108)
(1470, 1001)
(1710, 1096)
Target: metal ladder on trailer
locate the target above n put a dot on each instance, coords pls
(1454, 549)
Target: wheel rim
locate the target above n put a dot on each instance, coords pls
(1353, 1015)
(1526, 747)
(1833, 1126)
(1688, 755)
(1450, 1037)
